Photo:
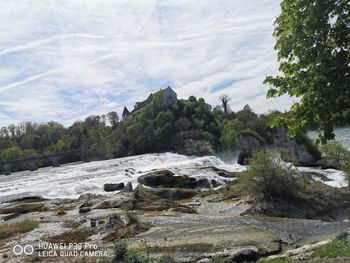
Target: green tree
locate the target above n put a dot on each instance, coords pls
(113, 118)
(313, 44)
(224, 99)
(229, 135)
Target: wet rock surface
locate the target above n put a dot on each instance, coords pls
(113, 187)
(200, 232)
(167, 179)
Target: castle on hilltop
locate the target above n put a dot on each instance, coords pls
(165, 96)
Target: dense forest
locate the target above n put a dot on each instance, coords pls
(156, 128)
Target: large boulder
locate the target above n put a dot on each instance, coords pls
(167, 179)
(115, 222)
(113, 187)
(247, 143)
(302, 149)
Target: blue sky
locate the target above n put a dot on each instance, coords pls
(63, 60)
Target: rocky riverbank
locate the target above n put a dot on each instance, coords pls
(190, 230)
(183, 209)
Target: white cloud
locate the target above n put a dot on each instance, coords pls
(63, 60)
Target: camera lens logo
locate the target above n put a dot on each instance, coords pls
(19, 250)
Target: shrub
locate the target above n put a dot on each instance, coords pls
(123, 255)
(133, 218)
(268, 178)
(120, 250)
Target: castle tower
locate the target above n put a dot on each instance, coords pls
(125, 113)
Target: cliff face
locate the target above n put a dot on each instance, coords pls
(195, 147)
(247, 144)
(298, 149)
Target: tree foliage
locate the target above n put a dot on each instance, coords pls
(156, 128)
(313, 43)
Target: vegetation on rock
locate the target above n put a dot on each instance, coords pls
(339, 247)
(8, 230)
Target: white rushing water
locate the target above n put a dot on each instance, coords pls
(331, 177)
(70, 181)
(342, 135)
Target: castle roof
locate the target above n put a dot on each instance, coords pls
(125, 111)
(139, 105)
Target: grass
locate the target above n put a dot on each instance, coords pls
(142, 194)
(8, 230)
(339, 247)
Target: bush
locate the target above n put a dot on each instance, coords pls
(133, 218)
(120, 250)
(123, 255)
(268, 178)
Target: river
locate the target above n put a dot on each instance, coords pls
(342, 135)
(72, 180)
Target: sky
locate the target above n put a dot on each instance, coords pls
(62, 60)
